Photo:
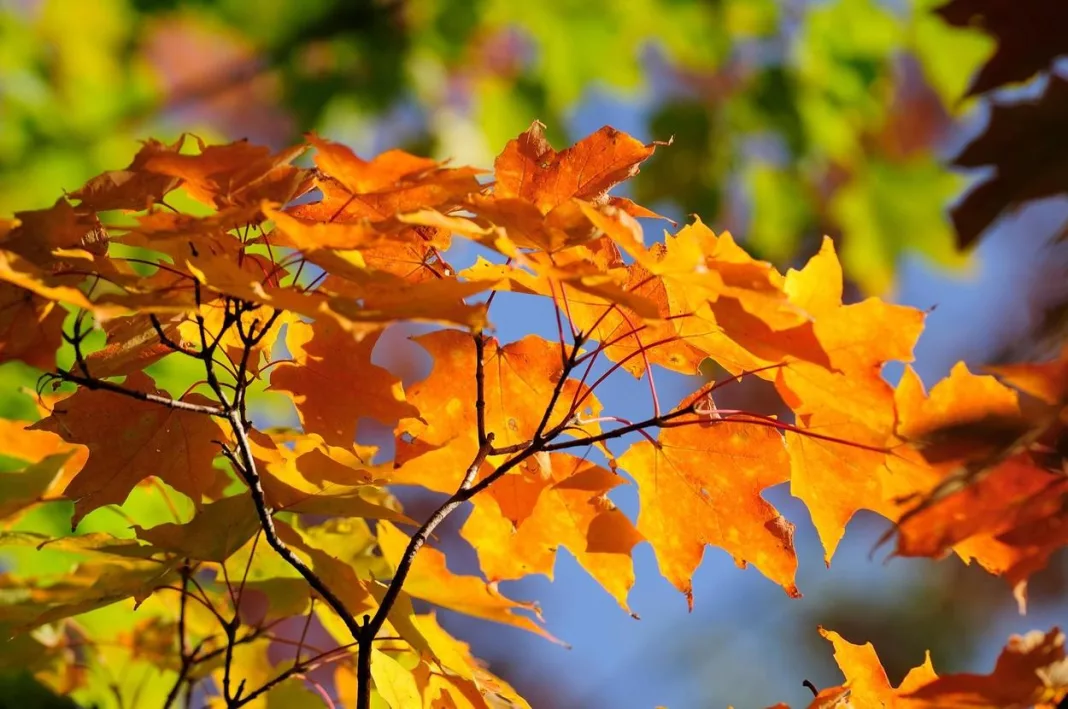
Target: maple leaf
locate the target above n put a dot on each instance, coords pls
(848, 400)
(29, 485)
(287, 487)
(626, 308)
(394, 683)
(1030, 671)
(529, 168)
(237, 174)
(40, 233)
(215, 532)
(519, 224)
(520, 377)
(430, 580)
(113, 570)
(134, 188)
(391, 183)
(697, 258)
(699, 484)
(1027, 34)
(339, 576)
(167, 231)
(1047, 381)
(635, 341)
(980, 489)
(17, 271)
(569, 508)
(866, 682)
(115, 294)
(132, 344)
(31, 327)
(407, 257)
(570, 279)
(732, 308)
(965, 418)
(18, 440)
(321, 464)
(130, 440)
(333, 382)
(50, 463)
(363, 297)
(1008, 520)
(309, 235)
(1024, 145)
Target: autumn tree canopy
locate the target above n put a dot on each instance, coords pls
(277, 278)
(279, 394)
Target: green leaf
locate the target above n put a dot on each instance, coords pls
(214, 534)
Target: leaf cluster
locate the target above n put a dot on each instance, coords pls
(273, 274)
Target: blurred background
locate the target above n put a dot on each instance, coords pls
(790, 120)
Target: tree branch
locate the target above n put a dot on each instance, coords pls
(373, 625)
(186, 656)
(103, 385)
(296, 669)
(247, 470)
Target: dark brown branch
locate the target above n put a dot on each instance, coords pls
(167, 341)
(245, 465)
(373, 625)
(231, 638)
(103, 385)
(183, 649)
(569, 365)
(247, 470)
(466, 490)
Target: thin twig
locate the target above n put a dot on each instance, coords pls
(100, 384)
(167, 341)
(183, 649)
(309, 664)
(304, 632)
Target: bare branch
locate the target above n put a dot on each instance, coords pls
(103, 385)
(373, 625)
(569, 365)
(247, 470)
(166, 340)
(297, 669)
(183, 649)
(304, 632)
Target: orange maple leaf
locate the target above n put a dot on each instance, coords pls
(519, 381)
(700, 483)
(130, 440)
(567, 507)
(529, 168)
(333, 382)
